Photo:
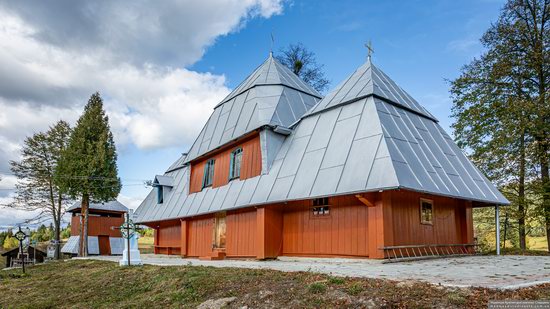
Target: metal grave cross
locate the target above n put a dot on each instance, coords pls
(128, 230)
(21, 236)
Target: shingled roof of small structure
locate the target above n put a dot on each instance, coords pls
(107, 206)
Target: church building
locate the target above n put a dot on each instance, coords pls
(280, 170)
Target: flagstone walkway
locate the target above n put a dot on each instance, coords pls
(503, 272)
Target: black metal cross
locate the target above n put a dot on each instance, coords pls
(21, 236)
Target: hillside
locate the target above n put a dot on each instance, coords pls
(88, 283)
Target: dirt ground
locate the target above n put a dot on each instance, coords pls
(103, 284)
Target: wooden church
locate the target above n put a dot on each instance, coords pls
(279, 170)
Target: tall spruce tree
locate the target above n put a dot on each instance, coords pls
(502, 108)
(88, 168)
(36, 189)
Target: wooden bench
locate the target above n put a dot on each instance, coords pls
(169, 250)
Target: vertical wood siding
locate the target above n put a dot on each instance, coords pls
(97, 226)
(169, 235)
(342, 233)
(241, 234)
(450, 220)
(199, 242)
(251, 164)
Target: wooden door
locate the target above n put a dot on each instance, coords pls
(219, 231)
(104, 245)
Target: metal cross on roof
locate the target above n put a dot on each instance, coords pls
(369, 47)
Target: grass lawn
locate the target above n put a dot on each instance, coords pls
(2, 259)
(537, 243)
(99, 284)
(146, 243)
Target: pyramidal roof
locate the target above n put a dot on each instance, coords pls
(271, 96)
(272, 72)
(354, 141)
(369, 80)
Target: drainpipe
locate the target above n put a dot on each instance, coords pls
(497, 222)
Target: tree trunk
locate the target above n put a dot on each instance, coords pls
(84, 225)
(505, 228)
(546, 196)
(57, 232)
(521, 195)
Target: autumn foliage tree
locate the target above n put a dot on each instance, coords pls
(88, 169)
(502, 108)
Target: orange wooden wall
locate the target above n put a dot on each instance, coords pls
(97, 226)
(251, 164)
(199, 237)
(241, 234)
(351, 229)
(343, 233)
(169, 235)
(450, 220)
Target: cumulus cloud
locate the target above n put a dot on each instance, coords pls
(54, 55)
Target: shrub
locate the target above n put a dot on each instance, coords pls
(317, 288)
(355, 288)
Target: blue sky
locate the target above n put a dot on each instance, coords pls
(162, 66)
(419, 44)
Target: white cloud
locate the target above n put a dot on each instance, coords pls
(463, 45)
(130, 202)
(54, 55)
(134, 53)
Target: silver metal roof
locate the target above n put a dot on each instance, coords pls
(108, 206)
(178, 163)
(361, 145)
(369, 80)
(272, 72)
(163, 180)
(272, 95)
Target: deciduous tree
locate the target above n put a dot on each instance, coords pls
(302, 62)
(36, 189)
(502, 108)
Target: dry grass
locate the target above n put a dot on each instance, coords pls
(2, 259)
(97, 284)
(537, 243)
(145, 244)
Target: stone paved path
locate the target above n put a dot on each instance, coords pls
(503, 272)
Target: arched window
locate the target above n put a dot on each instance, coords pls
(235, 163)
